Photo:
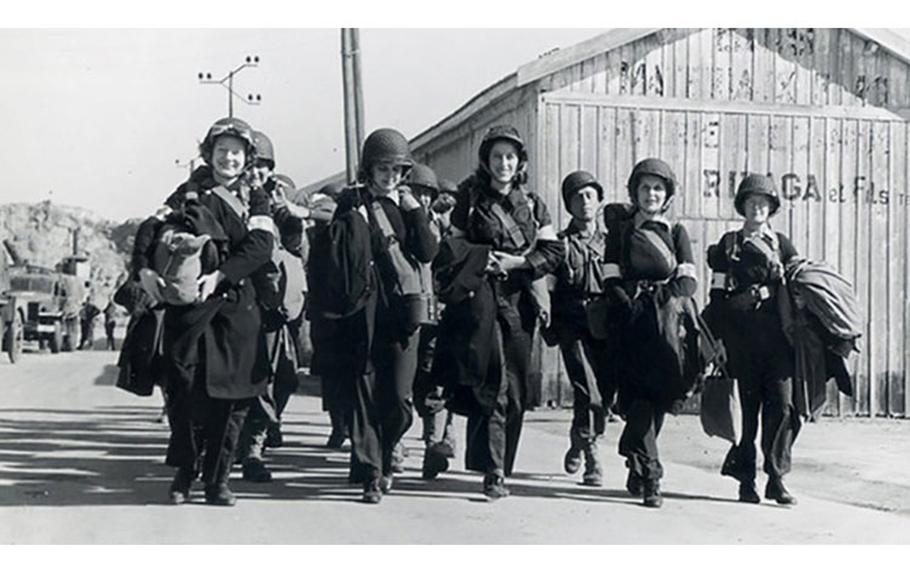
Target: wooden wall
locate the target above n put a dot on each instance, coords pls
(843, 182)
(805, 66)
(453, 155)
(818, 109)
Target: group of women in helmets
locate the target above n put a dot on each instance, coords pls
(601, 289)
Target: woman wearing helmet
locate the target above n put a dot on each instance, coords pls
(387, 328)
(748, 271)
(488, 370)
(648, 269)
(213, 349)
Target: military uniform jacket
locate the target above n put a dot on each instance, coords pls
(411, 230)
(578, 279)
(740, 265)
(650, 271)
(466, 341)
(222, 335)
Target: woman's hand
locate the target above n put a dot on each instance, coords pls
(207, 283)
(281, 201)
(407, 200)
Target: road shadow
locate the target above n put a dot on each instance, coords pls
(108, 376)
(114, 455)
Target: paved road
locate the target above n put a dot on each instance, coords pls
(81, 462)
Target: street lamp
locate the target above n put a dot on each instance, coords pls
(251, 99)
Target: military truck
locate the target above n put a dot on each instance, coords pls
(41, 305)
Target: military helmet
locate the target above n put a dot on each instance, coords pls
(501, 132)
(228, 127)
(577, 180)
(423, 178)
(654, 167)
(264, 148)
(756, 184)
(448, 186)
(384, 145)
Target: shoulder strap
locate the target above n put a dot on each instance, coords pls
(382, 220)
(231, 200)
(660, 245)
(509, 224)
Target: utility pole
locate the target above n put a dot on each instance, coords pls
(188, 165)
(353, 99)
(250, 61)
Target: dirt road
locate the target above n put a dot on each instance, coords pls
(81, 462)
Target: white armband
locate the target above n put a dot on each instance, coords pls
(261, 223)
(612, 270)
(718, 281)
(686, 269)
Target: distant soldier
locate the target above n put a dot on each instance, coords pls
(87, 316)
(110, 323)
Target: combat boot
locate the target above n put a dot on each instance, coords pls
(652, 497)
(435, 460)
(775, 490)
(219, 494)
(747, 492)
(256, 471)
(372, 493)
(180, 486)
(571, 462)
(494, 486)
(385, 483)
(594, 475)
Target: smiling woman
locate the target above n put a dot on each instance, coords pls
(213, 352)
(509, 229)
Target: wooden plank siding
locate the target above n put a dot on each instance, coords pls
(841, 182)
(817, 66)
(824, 112)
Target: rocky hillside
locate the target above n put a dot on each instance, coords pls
(43, 233)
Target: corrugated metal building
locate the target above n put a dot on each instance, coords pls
(823, 111)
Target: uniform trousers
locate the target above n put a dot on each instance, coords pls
(493, 434)
(638, 441)
(383, 405)
(593, 386)
(203, 428)
(764, 363)
(266, 409)
(428, 396)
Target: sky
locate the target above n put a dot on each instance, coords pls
(97, 117)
